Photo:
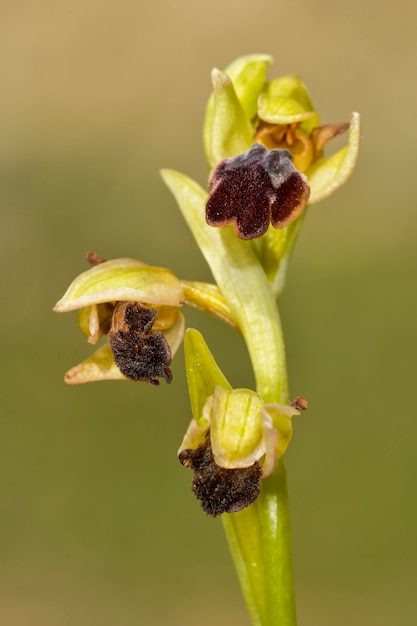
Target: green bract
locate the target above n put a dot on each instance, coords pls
(232, 107)
(231, 131)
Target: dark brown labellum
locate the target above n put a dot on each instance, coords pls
(220, 490)
(255, 189)
(139, 352)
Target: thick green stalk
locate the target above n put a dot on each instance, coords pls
(243, 283)
(260, 542)
(259, 536)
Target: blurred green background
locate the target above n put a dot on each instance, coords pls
(97, 522)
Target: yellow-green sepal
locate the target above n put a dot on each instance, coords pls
(99, 366)
(329, 173)
(208, 298)
(248, 74)
(122, 280)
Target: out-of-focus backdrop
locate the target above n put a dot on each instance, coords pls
(97, 522)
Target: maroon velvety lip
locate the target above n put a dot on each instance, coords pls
(140, 353)
(256, 189)
(218, 489)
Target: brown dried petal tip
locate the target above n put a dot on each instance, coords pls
(94, 259)
(139, 352)
(220, 490)
(299, 403)
(254, 189)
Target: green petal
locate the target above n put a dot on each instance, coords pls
(236, 427)
(287, 101)
(94, 320)
(122, 279)
(328, 174)
(282, 419)
(88, 321)
(195, 435)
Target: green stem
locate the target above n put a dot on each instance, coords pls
(273, 502)
(259, 536)
(260, 542)
(243, 284)
(251, 300)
